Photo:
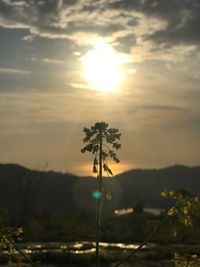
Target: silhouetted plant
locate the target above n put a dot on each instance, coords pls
(99, 137)
(8, 237)
(8, 240)
(186, 208)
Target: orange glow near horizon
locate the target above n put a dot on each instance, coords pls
(86, 170)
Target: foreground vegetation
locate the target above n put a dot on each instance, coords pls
(170, 231)
(131, 228)
(47, 227)
(162, 255)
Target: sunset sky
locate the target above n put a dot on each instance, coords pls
(66, 64)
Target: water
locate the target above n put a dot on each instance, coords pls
(153, 211)
(76, 248)
(81, 247)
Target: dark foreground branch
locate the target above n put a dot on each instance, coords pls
(144, 242)
(23, 254)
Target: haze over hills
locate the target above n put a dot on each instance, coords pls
(24, 191)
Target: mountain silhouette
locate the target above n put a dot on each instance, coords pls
(24, 191)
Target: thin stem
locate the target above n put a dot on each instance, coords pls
(22, 253)
(99, 201)
(147, 239)
(144, 242)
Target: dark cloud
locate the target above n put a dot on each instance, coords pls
(41, 16)
(92, 8)
(175, 33)
(51, 6)
(159, 8)
(46, 7)
(56, 18)
(102, 30)
(132, 22)
(182, 18)
(125, 43)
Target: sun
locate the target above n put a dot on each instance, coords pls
(102, 67)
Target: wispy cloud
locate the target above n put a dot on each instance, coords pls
(83, 86)
(53, 61)
(14, 71)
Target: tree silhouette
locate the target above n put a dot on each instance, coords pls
(99, 138)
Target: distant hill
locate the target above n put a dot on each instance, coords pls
(146, 185)
(23, 191)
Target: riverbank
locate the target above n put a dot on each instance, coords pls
(166, 263)
(56, 254)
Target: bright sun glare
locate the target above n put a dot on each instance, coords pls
(102, 67)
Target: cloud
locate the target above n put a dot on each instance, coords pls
(183, 31)
(53, 61)
(125, 43)
(64, 19)
(28, 38)
(14, 71)
(14, 3)
(131, 26)
(41, 107)
(81, 86)
(182, 18)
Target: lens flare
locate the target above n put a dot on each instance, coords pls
(96, 194)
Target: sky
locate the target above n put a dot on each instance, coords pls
(52, 73)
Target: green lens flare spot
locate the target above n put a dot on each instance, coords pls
(97, 194)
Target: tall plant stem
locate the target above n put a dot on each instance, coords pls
(98, 218)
